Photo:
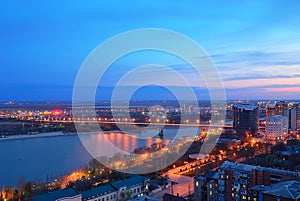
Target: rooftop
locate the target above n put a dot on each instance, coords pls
(271, 105)
(260, 188)
(276, 117)
(286, 189)
(97, 192)
(209, 175)
(246, 106)
(250, 168)
(53, 196)
(144, 198)
(130, 182)
(169, 197)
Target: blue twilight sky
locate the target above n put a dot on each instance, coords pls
(255, 44)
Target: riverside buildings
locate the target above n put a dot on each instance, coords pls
(115, 191)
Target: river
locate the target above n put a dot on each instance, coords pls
(49, 157)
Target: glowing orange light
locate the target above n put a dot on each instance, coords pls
(56, 112)
(47, 113)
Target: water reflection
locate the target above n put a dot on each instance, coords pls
(109, 144)
(41, 158)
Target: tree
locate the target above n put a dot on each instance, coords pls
(27, 189)
(94, 164)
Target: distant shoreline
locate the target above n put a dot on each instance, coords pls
(51, 134)
(32, 136)
(45, 135)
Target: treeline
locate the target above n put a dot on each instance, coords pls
(10, 127)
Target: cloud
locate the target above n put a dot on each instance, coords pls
(261, 76)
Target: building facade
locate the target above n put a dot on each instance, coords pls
(297, 116)
(131, 187)
(290, 113)
(277, 108)
(205, 186)
(233, 181)
(276, 127)
(271, 109)
(101, 193)
(245, 118)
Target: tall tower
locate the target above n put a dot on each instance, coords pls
(271, 110)
(245, 118)
(298, 117)
(280, 107)
(277, 108)
(292, 112)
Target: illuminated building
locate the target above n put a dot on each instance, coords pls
(119, 190)
(271, 109)
(280, 107)
(205, 186)
(277, 108)
(134, 186)
(234, 181)
(245, 118)
(276, 126)
(298, 117)
(292, 112)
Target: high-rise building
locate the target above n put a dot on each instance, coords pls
(276, 108)
(276, 126)
(271, 109)
(292, 112)
(298, 117)
(205, 186)
(280, 106)
(245, 118)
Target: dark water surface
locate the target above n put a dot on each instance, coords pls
(49, 157)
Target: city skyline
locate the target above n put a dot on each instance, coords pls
(254, 45)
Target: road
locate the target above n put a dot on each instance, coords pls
(184, 186)
(138, 123)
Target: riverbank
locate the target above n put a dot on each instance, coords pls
(45, 135)
(31, 136)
